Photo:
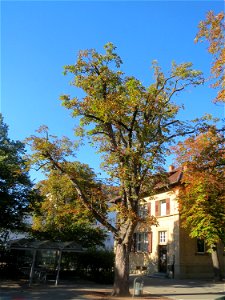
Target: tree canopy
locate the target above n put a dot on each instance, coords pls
(61, 215)
(16, 191)
(202, 200)
(129, 122)
(132, 126)
(212, 30)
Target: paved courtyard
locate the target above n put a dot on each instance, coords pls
(154, 288)
(185, 289)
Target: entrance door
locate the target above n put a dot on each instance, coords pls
(163, 258)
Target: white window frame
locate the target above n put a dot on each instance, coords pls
(162, 208)
(162, 237)
(142, 241)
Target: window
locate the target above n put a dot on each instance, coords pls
(162, 207)
(200, 246)
(142, 211)
(162, 237)
(143, 241)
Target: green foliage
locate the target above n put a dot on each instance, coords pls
(50, 153)
(97, 265)
(212, 30)
(202, 200)
(130, 122)
(131, 125)
(16, 192)
(61, 215)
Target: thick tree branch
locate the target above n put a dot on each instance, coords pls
(132, 127)
(83, 198)
(94, 118)
(111, 135)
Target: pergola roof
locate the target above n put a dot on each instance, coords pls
(31, 244)
(35, 245)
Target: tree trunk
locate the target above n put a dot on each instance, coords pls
(216, 264)
(121, 280)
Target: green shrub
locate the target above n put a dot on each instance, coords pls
(97, 265)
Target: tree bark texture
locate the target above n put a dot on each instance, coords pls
(216, 264)
(121, 281)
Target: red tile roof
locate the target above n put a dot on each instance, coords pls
(175, 176)
(170, 178)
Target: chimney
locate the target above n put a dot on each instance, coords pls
(171, 168)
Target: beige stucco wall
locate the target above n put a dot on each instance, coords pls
(193, 264)
(170, 224)
(181, 249)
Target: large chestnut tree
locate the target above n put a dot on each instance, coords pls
(132, 126)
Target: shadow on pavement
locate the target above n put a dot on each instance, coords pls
(154, 288)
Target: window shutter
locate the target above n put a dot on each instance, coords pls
(150, 242)
(149, 208)
(156, 208)
(168, 206)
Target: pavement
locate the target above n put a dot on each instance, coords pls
(184, 289)
(154, 288)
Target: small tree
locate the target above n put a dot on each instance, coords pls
(16, 191)
(61, 215)
(202, 199)
(212, 29)
(132, 125)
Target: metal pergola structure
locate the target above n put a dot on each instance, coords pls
(34, 245)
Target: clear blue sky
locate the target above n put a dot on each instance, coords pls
(39, 37)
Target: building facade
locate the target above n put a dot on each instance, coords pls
(167, 247)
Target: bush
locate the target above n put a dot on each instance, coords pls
(94, 265)
(8, 265)
(97, 265)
